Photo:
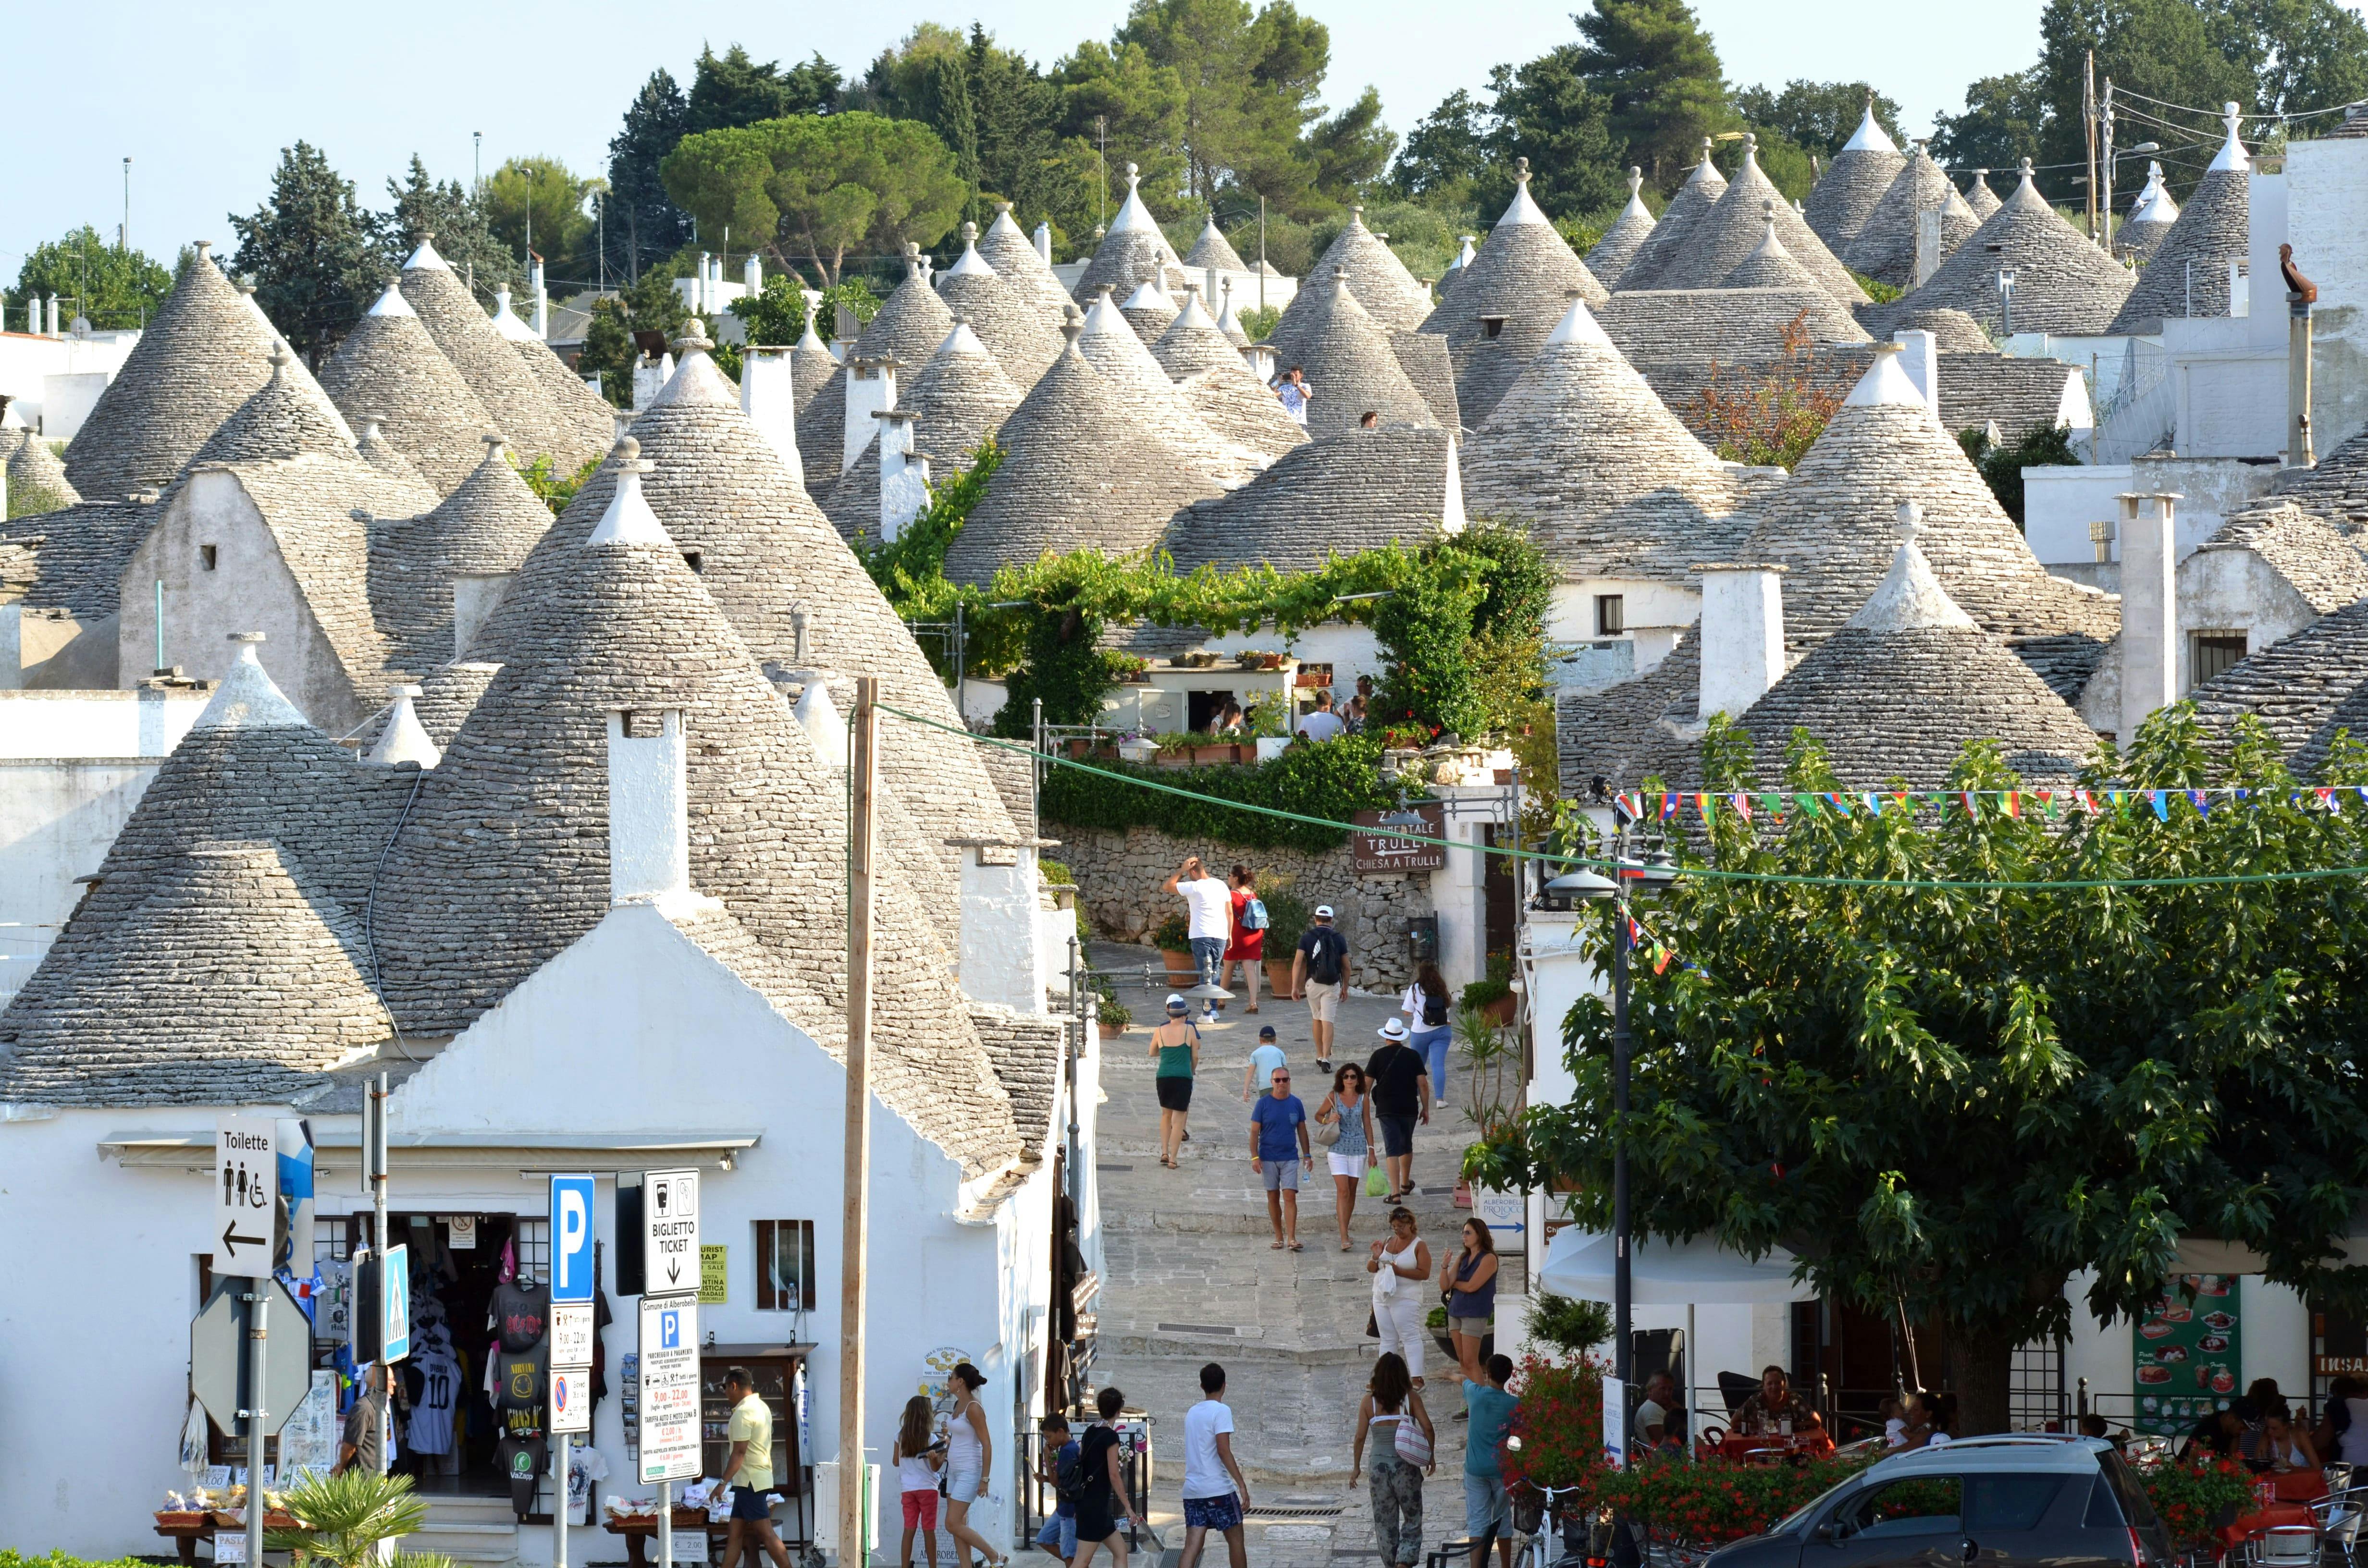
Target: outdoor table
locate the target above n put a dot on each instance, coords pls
(2244, 1526)
(1742, 1447)
(185, 1531)
(638, 1528)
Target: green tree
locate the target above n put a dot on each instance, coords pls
(2307, 54)
(731, 89)
(1351, 149)
(1660, 74)
(1954, 1101)
(1817, 116)
(818, 187)
(776, 315)
(1443, 157)
(540, 201)
(642, 219)
(1117, 94)
(2005, 122)
(308, 248)
(2174, 50)
(1546, 111)
(650, 303)
(457, 220)
(1250, 83)
(109, 288)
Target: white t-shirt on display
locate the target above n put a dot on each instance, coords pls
(1204, 1469)
(1212, 904)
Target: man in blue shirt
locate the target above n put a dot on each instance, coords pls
(1486, 1514)
(1278, 1147)
(1060, 1457)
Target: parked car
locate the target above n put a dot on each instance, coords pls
(2022, 1501)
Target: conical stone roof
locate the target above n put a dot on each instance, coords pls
(1149, 311)
(810, 364)
(1132, 251)
(1227, 322)
(1666, 244)
(1980, 199)
(36, 481)
(1611, 481)
(592, 418)
(1626, 237)
(1846, 195)
(1885, 246)
(1139, 391)
(1221, 386)
(2152, 216)
(911, 323)
(1022, 335)
(1213, 249)
(385, 456)
(2063, 284)
(2187, 273)
(958, 400)
(1355, 491)
(488, 525)
(203, 355)
(1831, 526)
(1731, 231)
(1389, 294)
(1075, 475)
(390, 370)
(1350, 368)
(520, 409)
(1953, 331)
(284, 420)
(1769, 267)
(765, 554)
(1509, 300)
(1465, 254)
(1014, 260)
(822, 430)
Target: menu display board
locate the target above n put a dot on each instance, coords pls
(2187, 1354)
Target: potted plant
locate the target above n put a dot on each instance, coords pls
(1108, 1011)
(1175, 748)
(1492, 1073)
(1173, 938)
(1493, 994)
(349, 1520)
(1286, 921)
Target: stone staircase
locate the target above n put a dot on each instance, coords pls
(476, 1531)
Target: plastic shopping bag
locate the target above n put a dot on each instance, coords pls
(1377, 1182)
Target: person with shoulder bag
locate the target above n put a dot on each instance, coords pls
(1343, 1126)
(1392, 1418)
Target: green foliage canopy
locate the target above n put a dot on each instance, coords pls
(308, 248)
(111, 288)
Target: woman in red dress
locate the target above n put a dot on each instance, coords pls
(1247, 945)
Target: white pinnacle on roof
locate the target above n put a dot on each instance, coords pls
(425, 257)
(629, 520)
(2232, 152)
(393, 303)
(1636, 207)
(2027, 178)
(247, 697)
(819, 716)
(1885, 383)
(962, 340)
(507, 322)
(1909, 596)
(1133, 213)
(1227, 322)
(405, 738)
(970, 262)
(1463, 257)
(1578, 325)
(1522, 208)
(1869, 137)
(1149, 296)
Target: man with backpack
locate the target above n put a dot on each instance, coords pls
(1319, 971)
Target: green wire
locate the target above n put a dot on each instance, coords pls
(2225, 878)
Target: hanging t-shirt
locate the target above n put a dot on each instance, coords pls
(522, 1379)
(518, 1314)
(585, 1466)
(430, 1431)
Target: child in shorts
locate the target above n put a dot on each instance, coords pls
(917, 1456)
(1059, 1535)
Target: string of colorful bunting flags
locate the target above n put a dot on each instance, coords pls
(1751, 805)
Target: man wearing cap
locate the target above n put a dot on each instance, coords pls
(1400, 1081)
(1176, 1047)
(1319, 971)
(1277, 1153)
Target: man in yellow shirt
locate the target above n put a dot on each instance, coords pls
(750, 1469)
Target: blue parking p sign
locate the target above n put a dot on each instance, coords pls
(570, 1238)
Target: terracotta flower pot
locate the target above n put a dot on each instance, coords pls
(1175, 759)
(1180, 967)
(1111, 1031)
(1211, 756)
(1500, 1011)
(1277, 976)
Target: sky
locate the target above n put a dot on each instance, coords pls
(201, 97)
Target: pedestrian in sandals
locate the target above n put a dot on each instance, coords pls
(1344, 1124)
(1176, 1047)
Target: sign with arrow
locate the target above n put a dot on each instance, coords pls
(245, 1196)
(670, 1233)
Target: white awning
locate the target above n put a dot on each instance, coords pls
(1661, 1273)
(532, 1154)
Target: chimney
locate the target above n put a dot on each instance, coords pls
(870, 389)
(475, 595)
(2301, 294)
(1919, 356)
(649, 807)
(1003, 951)
(2149, 608)
(904, 474)
(752, 274)
(1928, 245)
(1043, 242)
(1450, 509)
(404, 739)
(33, 315)
(1742, 635)
(698, 290)
(541, 323)
(53, 316)
(769, 397)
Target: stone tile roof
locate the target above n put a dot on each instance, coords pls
(2023, 395)
(1351, 367)
(1726, 326)
(1221, 386)
(2322, 562)
(2187, 272)
(583, 413)
(1666, 242)
(1132, 253)
(36, 481)
(1027, 1051)
(1524, 275)
(1831, 526)
(1610, 481)
(1210, 248)
(2337, 487)
(810, 364)
(80, 552)
(1770, 265)
(2063, 284)
(911, 323)
(822, 428)
(390, 370)
(958, 400)
(1885, 246)
(1357, 490)
(1732, 229)
(1953, 331)
(1625, 238)
(1846, 195)
(489, 524)
(203, 355)
(1389, 294)
(1430, 366)
(448, 695)
(1078, 472)
(2138, 239)
(284, 420)
(1019, 328)
(516, 401)
(1149, 311)
(1139, 389)
(1621, 734)
(321, 511)
(1980, 199)
(2304, 688)
(385, 456)
(1014, 260)
(769, 559)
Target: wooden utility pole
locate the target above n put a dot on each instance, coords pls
(864, 758)
(2089, 123)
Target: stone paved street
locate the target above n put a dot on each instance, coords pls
(1192, 1279)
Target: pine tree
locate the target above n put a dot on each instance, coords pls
(647, 223)
(731, 89)
(457, 220)
(946, 109)
(308, 248)
(1660, 74)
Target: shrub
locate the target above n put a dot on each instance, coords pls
(1571, 1326)
(1334, 781)
(1173, 935)
(2191, 1497)
(1769, 413)
(1259, 323)
(2002, 467)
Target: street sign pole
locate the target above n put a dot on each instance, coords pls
(375, 1135)
(559, 1503)
(572, 1263)
(258, 1306)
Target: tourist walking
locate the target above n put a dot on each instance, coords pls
(1061, 1469)
(1344, 1125)
(362, 1445)
(1487, 1513)
(1266, 1059)
(1215, 1494)
(1278, 1154)
(1210, 907)
(1176, 1047)
(1247, 948)
(1468, 1280)
(1400, 1099)
(1426, 1005)
(970, 1456)
(1102, 1500)
(916, 1457)
(1319, 971)
(748, 1466)
(1391, 1417)
(1401, 1268)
